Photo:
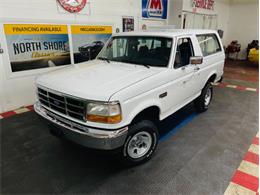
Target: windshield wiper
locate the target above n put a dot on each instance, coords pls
(103, 58)
(134, 62)
(145, 65)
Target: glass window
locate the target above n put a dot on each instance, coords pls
(143, 50)
(209, 44)
(184, 51)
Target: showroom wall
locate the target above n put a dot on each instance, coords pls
(175, 13)
(239, 19)
(17, 89)
(220, 12)
(243, 23)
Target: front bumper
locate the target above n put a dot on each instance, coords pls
(83, 135)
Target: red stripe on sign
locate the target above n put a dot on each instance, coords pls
(245, 180)
(256, 141)
(252, 157)
(30, 107)
(241, 88)
(8, 114)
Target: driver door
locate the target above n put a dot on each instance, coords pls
(183, 87)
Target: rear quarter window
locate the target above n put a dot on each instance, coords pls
(209, 44)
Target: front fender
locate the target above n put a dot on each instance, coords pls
(142, 106)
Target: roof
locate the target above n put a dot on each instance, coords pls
(166, 32)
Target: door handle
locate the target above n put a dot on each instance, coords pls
(197, 68)
(163, 95)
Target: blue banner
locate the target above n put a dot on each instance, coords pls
(34, 46)
(155, 9)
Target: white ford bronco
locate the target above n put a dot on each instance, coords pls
(138, 79)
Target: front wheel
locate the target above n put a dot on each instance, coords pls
(140, 143)
(203, 101)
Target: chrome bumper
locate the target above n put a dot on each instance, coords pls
(83, 135)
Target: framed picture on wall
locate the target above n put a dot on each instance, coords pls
(128, 24)
(88, 41)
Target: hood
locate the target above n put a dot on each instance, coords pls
(95, 80)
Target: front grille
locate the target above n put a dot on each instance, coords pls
(61, 103)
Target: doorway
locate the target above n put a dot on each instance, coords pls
(199, 21)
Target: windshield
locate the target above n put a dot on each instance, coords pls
(143, 50)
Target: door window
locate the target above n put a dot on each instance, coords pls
(184, 51)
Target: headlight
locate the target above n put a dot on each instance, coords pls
(104, 112)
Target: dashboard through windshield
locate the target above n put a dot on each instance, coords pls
(143, 50)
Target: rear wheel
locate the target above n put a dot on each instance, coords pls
(203, 101)
(140, 143)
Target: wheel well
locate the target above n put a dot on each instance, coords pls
(152, 113)
(212, 78)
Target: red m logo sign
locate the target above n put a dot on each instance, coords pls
(155, 4)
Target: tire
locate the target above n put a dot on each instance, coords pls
(140, 144)
(203, 101)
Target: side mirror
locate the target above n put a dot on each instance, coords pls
(196, 60)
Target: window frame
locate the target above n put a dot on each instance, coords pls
(218, 42)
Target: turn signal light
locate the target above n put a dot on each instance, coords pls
(105, 119)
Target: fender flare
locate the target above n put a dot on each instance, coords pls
(210, 75)
(141, 107)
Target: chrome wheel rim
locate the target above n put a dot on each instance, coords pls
(208, 97)
(139, 144)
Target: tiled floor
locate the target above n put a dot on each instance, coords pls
(200, 158)
(246, 179)
(241, 70)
